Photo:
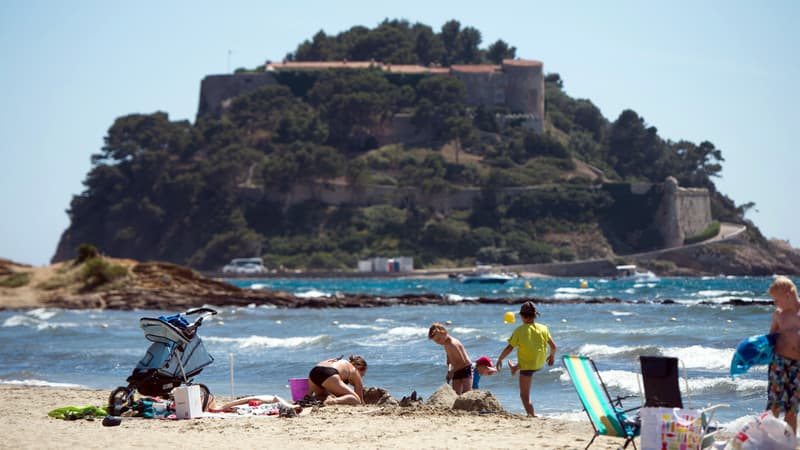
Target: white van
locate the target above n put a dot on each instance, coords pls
(245, 265)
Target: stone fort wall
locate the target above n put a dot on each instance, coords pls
(682, 212)
(515, 84)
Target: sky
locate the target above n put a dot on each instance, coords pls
(722, 71)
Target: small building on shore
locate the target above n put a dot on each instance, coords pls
(385, 264)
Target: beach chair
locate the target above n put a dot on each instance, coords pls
(607, 416)
(661, 380)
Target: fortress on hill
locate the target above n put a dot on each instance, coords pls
(516, 84)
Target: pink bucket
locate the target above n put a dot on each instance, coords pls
(299, 387)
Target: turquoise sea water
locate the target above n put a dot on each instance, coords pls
(262, 347)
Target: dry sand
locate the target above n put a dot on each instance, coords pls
(24, 424)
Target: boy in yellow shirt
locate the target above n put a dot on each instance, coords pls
(531, 340)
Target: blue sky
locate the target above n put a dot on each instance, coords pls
(723, 71)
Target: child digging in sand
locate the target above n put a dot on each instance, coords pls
(459, 366)
(531, 340)
(483, 368)
(783, 393)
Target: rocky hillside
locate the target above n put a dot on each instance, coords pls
(229, 185)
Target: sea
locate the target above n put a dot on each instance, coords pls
(257, 349)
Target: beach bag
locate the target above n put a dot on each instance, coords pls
(671, 429)
(764, 432)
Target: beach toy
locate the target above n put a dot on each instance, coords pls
(753, 351)
(299, 388)
(527, 285)
(509, 317)
(584, 284)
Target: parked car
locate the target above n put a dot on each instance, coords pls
(245, 266)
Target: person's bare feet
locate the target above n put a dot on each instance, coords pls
(513, 367)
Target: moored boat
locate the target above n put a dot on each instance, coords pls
(630, 272)
(485, 276)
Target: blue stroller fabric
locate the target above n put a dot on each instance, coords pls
(176, 320)
(753, 351)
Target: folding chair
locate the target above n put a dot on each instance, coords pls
(662, 390)
(606, 418)
(661, 381)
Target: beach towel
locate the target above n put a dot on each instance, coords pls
(75, 412)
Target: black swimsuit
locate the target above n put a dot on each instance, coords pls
(465, 372)
(319, 374)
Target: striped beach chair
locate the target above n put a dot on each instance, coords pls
(607, 416)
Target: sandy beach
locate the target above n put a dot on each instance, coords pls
(25, 425)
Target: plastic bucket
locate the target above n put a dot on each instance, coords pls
(299, 387)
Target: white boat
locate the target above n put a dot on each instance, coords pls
(485, 276)
(630, 272)
(245, 266)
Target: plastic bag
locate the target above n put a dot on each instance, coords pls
(764, 432)
(671, 429)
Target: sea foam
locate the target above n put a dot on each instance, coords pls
(43, 384)
(269, 342)
(397, 335)
(313, 293)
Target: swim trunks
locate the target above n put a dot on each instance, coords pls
(319, 374)
(465, 372)
(783, 391)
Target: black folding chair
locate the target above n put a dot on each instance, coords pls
(661, 381)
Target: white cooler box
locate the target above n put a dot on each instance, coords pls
(188, 402)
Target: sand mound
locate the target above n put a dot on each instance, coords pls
(444, 397)
(378, 396)
(477, 400)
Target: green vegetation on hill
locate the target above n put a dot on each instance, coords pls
(201, 194)
(399, 42)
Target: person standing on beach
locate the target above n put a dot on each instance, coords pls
(531, 340)
(329, 380)
(783, 391)
(459, 366)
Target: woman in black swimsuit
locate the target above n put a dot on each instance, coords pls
(330, 378)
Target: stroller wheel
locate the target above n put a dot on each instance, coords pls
(120, 400)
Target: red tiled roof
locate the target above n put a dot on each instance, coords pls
(399, 68)
(322, 65)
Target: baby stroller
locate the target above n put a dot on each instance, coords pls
(176, 354)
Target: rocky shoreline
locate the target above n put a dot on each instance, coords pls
(166, 286)
(132, 299)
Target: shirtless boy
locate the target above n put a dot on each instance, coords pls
(783, 394)
(459, 366)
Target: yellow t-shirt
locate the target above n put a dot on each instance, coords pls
(530, 339)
